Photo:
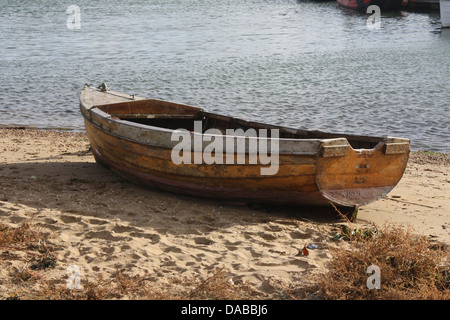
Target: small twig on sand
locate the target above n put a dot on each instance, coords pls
(413, 203)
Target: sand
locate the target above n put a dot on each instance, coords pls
(101, 223)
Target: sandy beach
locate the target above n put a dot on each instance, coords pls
(101, 223)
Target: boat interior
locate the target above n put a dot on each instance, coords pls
(171, 115)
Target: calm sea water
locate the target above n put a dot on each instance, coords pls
(303, 64)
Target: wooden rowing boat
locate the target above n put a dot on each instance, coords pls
(134, 137)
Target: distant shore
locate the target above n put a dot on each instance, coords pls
(102, 223)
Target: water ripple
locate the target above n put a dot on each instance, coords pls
(298, 63)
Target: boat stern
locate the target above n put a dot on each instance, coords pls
(355, 177)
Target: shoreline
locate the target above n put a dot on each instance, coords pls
(63, 129)
(102, 224)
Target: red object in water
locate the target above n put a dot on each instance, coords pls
(362, 5)
(354, 4)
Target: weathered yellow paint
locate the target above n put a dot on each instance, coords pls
(361, 169)
(157, 161)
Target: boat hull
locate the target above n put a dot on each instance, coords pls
(445, 13)
(152, 166)
(362, 5)
(311, 172)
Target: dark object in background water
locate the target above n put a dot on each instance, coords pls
(421, 5)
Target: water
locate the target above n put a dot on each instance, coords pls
(303, 64)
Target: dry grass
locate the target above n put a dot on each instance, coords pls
(216, 287)
(30, 242)
(29, 246)
(411, 267)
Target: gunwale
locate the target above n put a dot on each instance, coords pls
(95, 113)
